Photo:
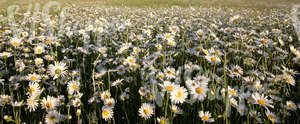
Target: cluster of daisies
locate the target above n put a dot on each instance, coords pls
(149, 65)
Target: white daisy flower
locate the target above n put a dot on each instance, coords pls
(179, 95)
(206, 116)
(59, 69)
(146, 111)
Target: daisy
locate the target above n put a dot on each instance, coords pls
(107, 113)
(289, 79)
(117, 82)
(121, 70)
(105, 95)
(73, 87)
(236, 71)
(199, 91)
(34, 89)
(50, 102)
(38, 61)
(213, 59)
(15, 42)
(110, 102)
(52, 117)
(163, 120)
(256, 115)
(32, 104)
(33, 77)
(59, 69)
(179, 95)
(130, 60)
(171, 43)
(168, 36)
(261, 100)
(175, 109)
(290, 105)
(170, 73)
(48, 57)
(142, 91)
(272, 117)
(168, 86)
(146, 111)
(39, 49)
(200, 32)
(202, 79)
(5, 99)
(206, 116)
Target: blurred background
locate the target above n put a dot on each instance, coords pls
(162, 3)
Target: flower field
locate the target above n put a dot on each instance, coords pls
(173, 65)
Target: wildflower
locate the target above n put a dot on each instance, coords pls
(146, 111)
(34, 89)
(15, 42)
(107, 113)
(262, 100)
(206, 116)
(32, 104)
(59, 69)
(290, 105)
(163, 120)
(50, 102)
(199, 92)
(52, 117)
(39, 49)
(179, 95)
(272, 117)
(33, 77)
(213, 59)
(73, 87)
(105, 95)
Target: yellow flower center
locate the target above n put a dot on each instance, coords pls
(150, 96)
(5, 99)
(291, 105)
(172, 43)
(74, 86)
(39, 50)
(146, 111)
(261, 102)
(264, 41)
(271, 117)
(31, 90)
(48, 105)
(162, 121)
(48, 41)
(168, 36)
(251, 83)
(105, 96)
(169, 88)
(213, 59)
(105, 113)
(236, 70)
(288, 80)
(232, 92)
(52, 118)
(199, 90)
(58, 71)
(131, 60)
(109, 103)
(15, 43)
(33, 78)
(179, 94)
(205, 117)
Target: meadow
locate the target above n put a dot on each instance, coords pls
(149, 62)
